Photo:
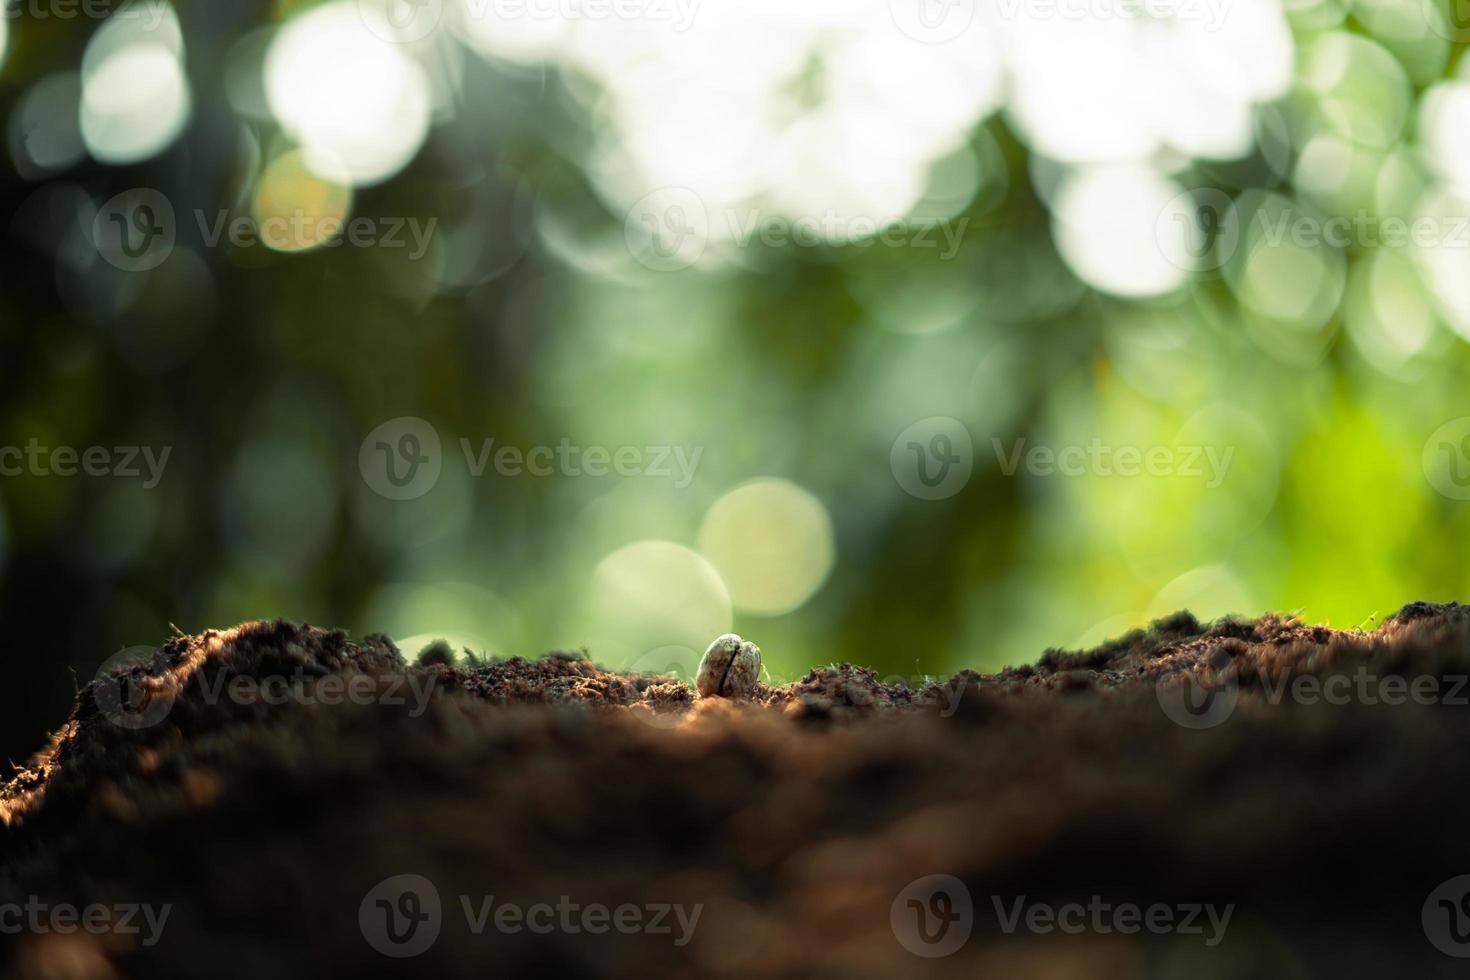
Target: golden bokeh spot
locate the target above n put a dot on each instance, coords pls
(295, 210)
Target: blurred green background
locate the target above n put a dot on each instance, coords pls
(916, 335)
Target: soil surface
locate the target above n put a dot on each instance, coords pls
(305, 805)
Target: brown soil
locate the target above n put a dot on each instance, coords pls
(795, 820)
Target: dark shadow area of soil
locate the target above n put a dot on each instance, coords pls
(794, 822)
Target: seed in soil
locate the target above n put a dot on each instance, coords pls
(730, 668)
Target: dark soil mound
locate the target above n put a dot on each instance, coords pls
(1243, 799)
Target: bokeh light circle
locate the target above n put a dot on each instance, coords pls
(773, 544)
(358, 105)
(657, 592)
(1125, 230)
